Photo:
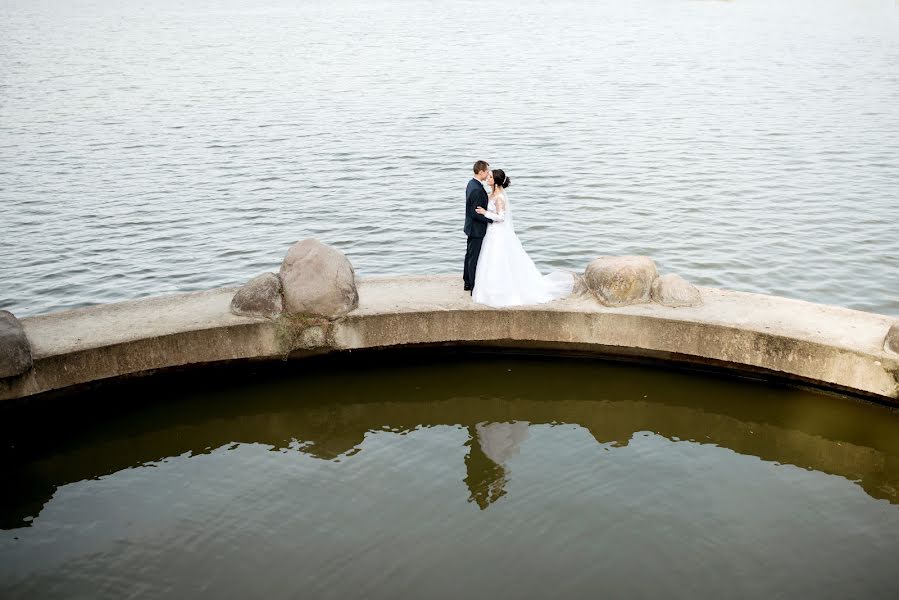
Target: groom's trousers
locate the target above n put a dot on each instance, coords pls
(472, 252)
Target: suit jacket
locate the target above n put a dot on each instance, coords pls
(475, 196)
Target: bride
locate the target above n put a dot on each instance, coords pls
(506, 275)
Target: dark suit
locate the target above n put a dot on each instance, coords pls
(475, 228)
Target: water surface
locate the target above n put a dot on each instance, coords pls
(450, 477)
(155, 147)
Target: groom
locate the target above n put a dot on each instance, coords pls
(475, 224)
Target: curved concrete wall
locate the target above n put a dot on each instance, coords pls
(833, 347)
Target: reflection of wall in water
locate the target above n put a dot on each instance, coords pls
(810, 432)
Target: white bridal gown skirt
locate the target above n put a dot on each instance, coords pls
(506, 275)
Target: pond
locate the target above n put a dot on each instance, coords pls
(446, 475)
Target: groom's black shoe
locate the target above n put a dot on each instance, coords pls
(467, 289)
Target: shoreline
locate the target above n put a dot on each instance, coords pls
(834, 348)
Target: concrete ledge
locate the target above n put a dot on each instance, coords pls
(827, 346)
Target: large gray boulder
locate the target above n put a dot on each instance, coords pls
(674, 290)
(318, 280)
(621, 280)
(891, 342)
(259, 297)
(15, 351)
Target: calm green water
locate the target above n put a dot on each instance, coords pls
(465, 476)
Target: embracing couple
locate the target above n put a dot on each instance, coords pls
(498, 272)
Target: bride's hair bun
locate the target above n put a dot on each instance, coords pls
(500, 179)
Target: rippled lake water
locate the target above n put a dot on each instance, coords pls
(545, 480)
(154, 147)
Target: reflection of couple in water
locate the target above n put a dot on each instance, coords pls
(491, 445)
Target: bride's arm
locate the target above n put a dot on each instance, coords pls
(500, 215)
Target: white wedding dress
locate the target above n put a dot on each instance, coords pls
(506, 275)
